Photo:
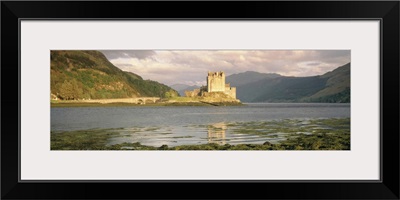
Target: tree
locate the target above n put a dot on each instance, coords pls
(171, 94)
(70, 90)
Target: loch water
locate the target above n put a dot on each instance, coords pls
(186, 125)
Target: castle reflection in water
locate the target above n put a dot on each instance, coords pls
(216, 133)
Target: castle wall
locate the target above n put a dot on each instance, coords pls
(231, 91)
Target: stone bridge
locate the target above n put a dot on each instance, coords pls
(137, 100)
(143, 100)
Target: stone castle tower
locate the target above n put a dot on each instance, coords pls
(215, 83)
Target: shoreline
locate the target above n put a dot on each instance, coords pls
(78, 103)
(54, 104)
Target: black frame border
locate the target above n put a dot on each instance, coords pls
(385, 11)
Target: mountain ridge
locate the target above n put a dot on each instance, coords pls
(77, 74)
(333, 86)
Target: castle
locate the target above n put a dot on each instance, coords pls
(215, 84)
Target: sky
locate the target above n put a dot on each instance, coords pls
(190, 67)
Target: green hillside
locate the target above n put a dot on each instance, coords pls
(282, 89)
(337, 87)
(333, 87)
(89, 75)
(248, 77)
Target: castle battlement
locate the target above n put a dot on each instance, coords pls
(216, 74)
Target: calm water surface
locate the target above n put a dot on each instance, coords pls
(173, 126)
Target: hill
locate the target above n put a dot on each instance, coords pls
(248, 77)
(89, 75)
(178, 87)
(333, 86)
(337, 87)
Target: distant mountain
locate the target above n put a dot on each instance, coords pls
(178, 87)
(88, 74)
(248, 77)
(181, 88)
(333, 86)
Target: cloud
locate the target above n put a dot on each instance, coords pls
(313, 64)
(191, 66)
(115, 54)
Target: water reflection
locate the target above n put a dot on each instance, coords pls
(216, 133)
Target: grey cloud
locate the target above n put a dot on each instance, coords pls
(170, 78)
(172, 67)
(139, 54)
(334, 53)
(333, 56)
(314, 64)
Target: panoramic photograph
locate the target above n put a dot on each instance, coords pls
(200, 100)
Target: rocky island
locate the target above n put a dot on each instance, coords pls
(216, 92)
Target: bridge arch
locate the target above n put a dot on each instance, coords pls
(140, 101)
(145, 100)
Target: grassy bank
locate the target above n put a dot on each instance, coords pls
(78, 104)
(319, 134)
(182, 101)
